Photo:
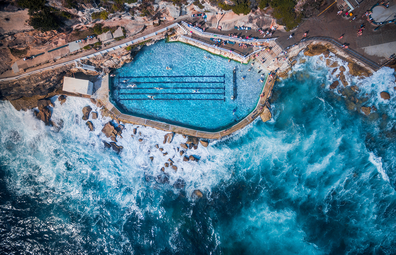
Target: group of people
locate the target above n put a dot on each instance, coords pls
(267, 32)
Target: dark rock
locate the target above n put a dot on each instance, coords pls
(192, 158)
(174, 167)
(204, 143)
(115, 147)
(342, 69)
(181, 153)
(90, 126)
(134, 131)
(162, 178)
(166, 164)
(334, 85)
(140, 140)
(166, 153)
(190, 146)
(170, 160)
(151, 158)
(195, 146)
(163, 169)
(356, 70)
(168, 137)
(179, 184)
(192, 140)
(183, 145)
(185, 158)
(43, 103)
(266, 114)
(44, 115)
(385, 95)
(94, 115)
(93, 101)
(106, 144)
(156, 146)
(161, 149)
(62, 99)
(86, 111)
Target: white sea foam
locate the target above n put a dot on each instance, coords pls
(378, 164)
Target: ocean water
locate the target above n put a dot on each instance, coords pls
(196, 91)
(318, 178)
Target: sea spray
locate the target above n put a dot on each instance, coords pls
(312, 180)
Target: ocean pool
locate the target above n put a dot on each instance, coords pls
(187, 86)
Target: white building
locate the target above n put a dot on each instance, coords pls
(79, 86)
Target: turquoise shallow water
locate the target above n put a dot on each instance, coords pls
(195, 93)
(317, 179)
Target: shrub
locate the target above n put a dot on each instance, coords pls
(98, 29)
(87, 47)
(242, 6)
(119, 38)
(19, 53)
(284, 13)
(44, 20)
(198, 4)
(97, 44)
(100, 15)
(225, 7)
(263, 3)
(129, 48)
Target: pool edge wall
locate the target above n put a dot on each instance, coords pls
(102, 95)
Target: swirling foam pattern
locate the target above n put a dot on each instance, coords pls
(317, 179)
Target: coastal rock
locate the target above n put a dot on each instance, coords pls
(86, 111)
(94, 115)
(385, 95)
(204, 143)
(110, 131)
(135, 131)
(334, 70)
(163, 169)
(93, 101)
(192, 140)
(115, 147)
(181, 153)
(334, 85)
(62, 99)
(157, 146)
(44, 103)
(185, 158)
(162, 178)
(106, 144)
(190, 146)
(174, 167)
(166, 153)
(197, 193)
(151, 158)
(170, 160)
(140, 140)
(183, 145)
(366, 110)
(343, 80)
(166, 164)
(179, 184)
(161, 149)
(316, 49)
(90, 126)
(342, 69)
(168, 138)
(192, 158)
(355, 88)
(44, 114)
(356, 70)
(266, 114)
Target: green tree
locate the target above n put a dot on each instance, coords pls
(241, 6)
(104, 15)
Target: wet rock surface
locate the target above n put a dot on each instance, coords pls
(266, 114)
(385, 95)
(90, 126)
(86, 111)
(62, 99)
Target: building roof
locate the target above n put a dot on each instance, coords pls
(118, 33)
(79, 86)
(105, 36)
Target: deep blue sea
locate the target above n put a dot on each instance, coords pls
(318, 178)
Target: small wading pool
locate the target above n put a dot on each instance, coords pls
(186, 86)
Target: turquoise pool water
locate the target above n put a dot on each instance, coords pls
(184, 85)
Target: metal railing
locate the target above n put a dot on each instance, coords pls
(224, 37)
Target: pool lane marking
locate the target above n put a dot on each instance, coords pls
(183, 93)
(177, 88)
(158, 99)
(174, 82)
(176, 76)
